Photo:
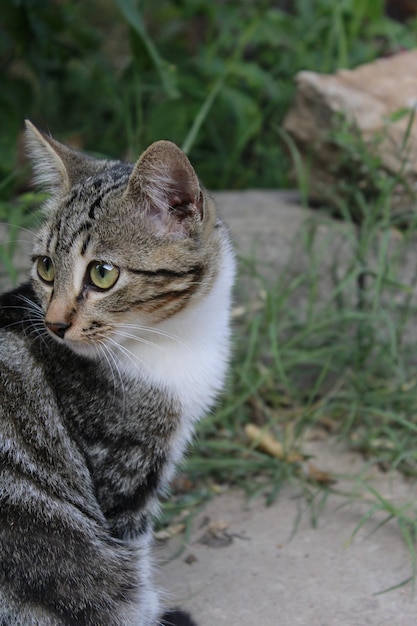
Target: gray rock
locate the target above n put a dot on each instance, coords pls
(369, 97)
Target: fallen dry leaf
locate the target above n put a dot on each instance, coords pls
(169, 532)
(319, 476)
(267, 443)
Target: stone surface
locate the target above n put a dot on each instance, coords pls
(368, 96)
(279, 569)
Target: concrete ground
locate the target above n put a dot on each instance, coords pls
(248, 564)
(290, 565)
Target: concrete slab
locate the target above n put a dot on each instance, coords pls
(275, 568)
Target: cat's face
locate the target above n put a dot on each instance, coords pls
(121, 245)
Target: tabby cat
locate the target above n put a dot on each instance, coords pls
(109, 354)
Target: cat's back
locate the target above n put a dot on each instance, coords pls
(37, 452)
(54, 539)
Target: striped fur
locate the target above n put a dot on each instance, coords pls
(101, 385)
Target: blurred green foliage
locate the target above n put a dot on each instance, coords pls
(215, 77)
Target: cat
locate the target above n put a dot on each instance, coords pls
(109, 354)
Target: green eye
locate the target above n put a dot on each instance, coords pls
(45, 269)
(103, 275)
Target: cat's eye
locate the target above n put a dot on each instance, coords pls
(103, 275)
(45, 269)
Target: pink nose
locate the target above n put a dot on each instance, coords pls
(58, 328)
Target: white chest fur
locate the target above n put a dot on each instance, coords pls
(188, 354)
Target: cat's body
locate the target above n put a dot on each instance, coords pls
(132, 276)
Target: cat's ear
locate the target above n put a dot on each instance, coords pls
(56, 167)
(164, 176)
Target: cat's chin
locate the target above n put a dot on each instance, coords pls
(80, 348)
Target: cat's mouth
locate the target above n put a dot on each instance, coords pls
(79, 346)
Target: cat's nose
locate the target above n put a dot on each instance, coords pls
(58, 328)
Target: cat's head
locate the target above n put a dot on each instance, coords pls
(121, 243)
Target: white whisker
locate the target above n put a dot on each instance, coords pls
(37, 328)
(33, 233)
(7, 242)
(110, 358)
(35, 323)
(148, 329)
(146, 342)
(33, 305)
(133, 358)
(23, 308)
(12, 324)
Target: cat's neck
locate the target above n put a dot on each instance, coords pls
(187, 354)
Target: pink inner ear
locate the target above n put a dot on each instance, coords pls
(185, 206)
(180, 208)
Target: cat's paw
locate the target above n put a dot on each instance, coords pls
(176, 617)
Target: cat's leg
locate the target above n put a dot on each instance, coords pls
(176, 617)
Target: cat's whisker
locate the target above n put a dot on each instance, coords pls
(106, 352)
(33, 305)
(141, 340)
(34, 228)
(156, 331)
(7, 241)
(22, 308)
(164, 349)
(20, 227)
(36, 320)
(133, 358)
(37, 327)
(13, 324)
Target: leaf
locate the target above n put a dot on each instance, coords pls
(265, 442)
(400, 114)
